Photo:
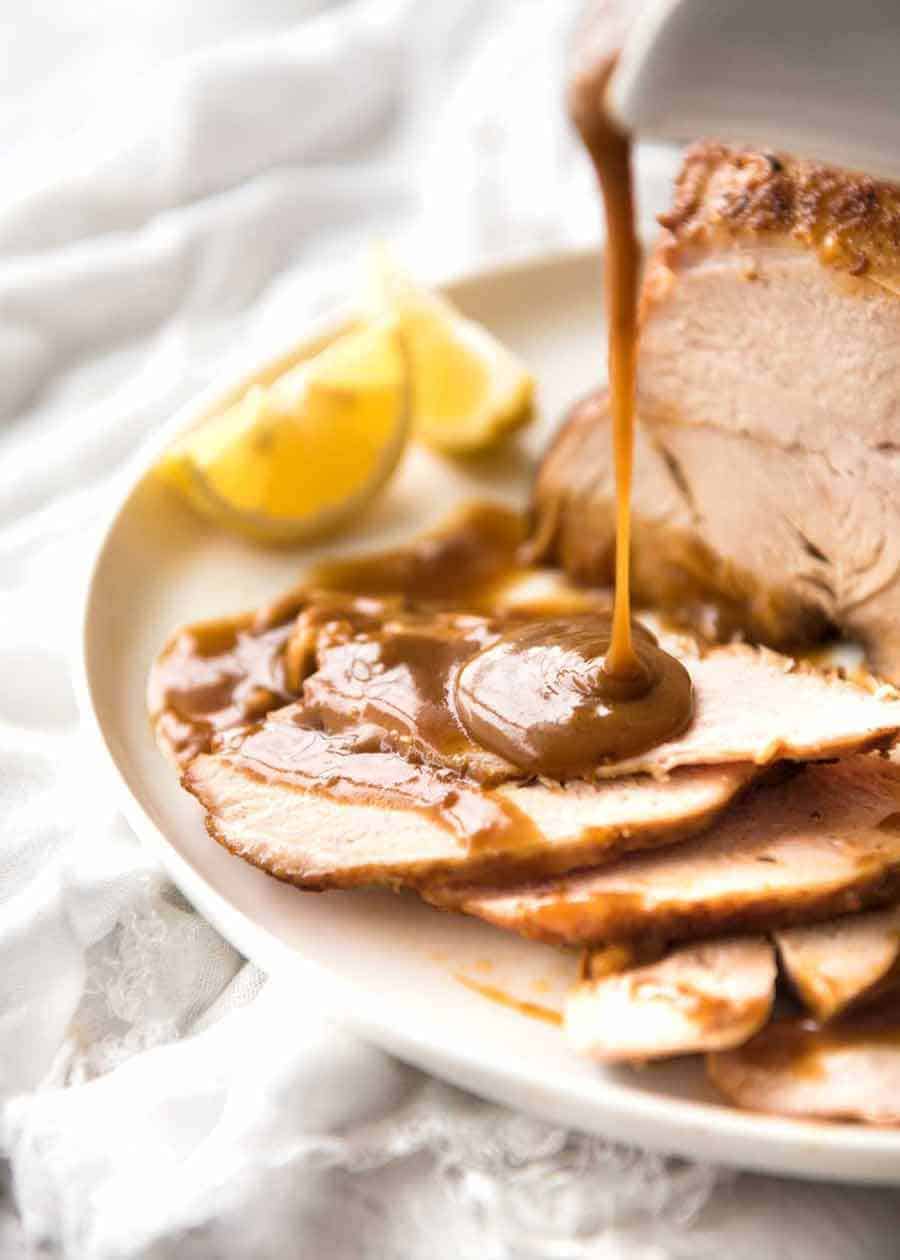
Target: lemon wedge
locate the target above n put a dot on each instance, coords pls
(295, 457)
(467, 390)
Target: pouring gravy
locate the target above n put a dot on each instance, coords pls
(551, 695)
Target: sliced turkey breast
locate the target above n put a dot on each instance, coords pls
(818, 250)
(325, 810)
(842, 962)
(377, 731)
(702, 997)
(845, 1071)
(769, 356)
(395, 668)
(751, 707)
(825, 842)
(676, 565)
(751, 704)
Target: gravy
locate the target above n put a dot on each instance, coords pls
(357, 767)
(637, 673)
(464, 563)
(543, 697)
(411, 642)
(800, 1046)
(534, 1010)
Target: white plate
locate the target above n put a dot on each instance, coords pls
(388, 965)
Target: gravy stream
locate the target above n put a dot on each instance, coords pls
(557, 698)
(610, 152)
(609, 149)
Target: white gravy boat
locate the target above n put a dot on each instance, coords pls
(819, 78)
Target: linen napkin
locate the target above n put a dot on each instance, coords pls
(184, 183)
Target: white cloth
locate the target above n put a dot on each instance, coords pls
(190, 179)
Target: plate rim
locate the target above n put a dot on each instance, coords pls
(770, 1144)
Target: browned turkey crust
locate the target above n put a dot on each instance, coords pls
(724, 194)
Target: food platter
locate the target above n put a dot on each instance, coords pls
(409, 978)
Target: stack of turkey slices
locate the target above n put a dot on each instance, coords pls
(681, 871)
(762, 846)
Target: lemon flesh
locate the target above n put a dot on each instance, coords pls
(295, 457)
(467, 391)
